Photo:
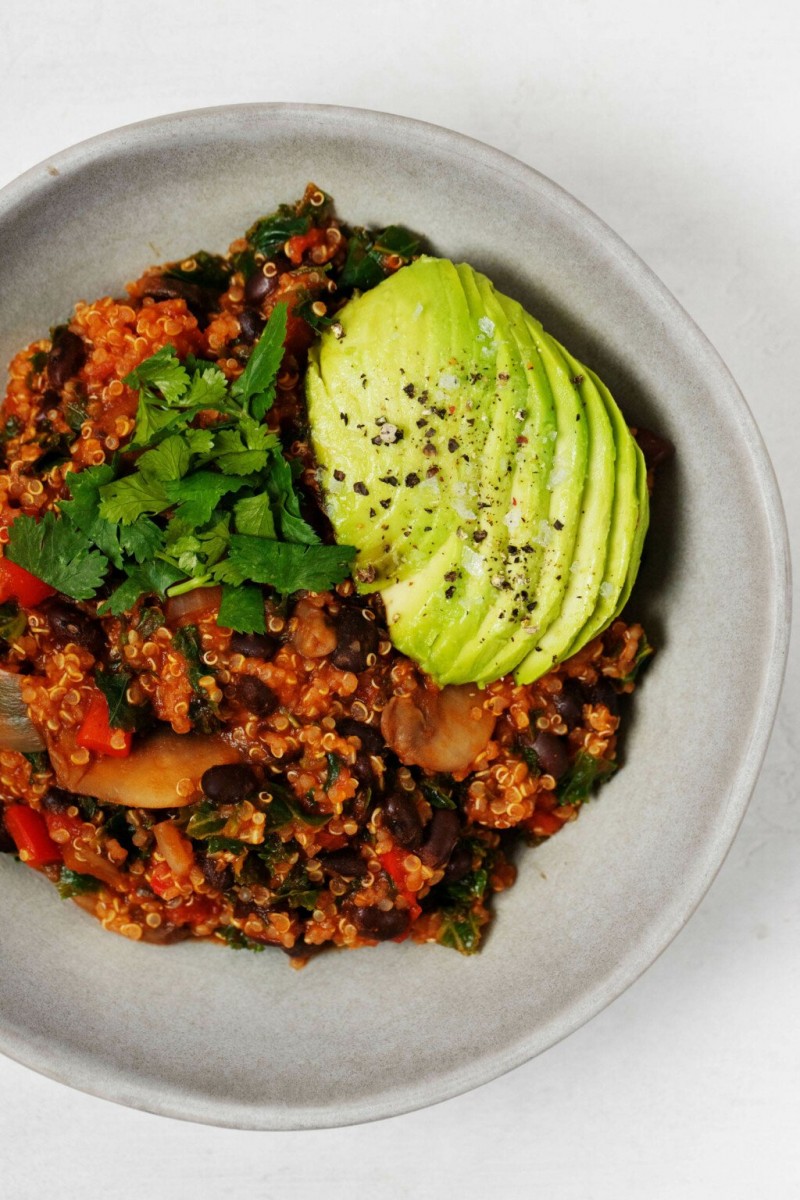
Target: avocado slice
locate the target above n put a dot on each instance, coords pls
(494, 494)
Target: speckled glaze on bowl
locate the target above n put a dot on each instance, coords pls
(235, 1039)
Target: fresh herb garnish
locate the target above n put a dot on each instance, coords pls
(56, 552)
(436, 797)
(201, 506)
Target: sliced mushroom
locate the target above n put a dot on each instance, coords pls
(440, 731)
(17, 730)
(149, 778)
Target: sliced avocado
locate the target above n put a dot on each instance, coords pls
(585, 573)
(625, 520)
(487, 478)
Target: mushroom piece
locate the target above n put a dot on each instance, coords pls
(17, 730)
(149, 777)
(442, 731)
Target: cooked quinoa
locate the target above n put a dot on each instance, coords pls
(301, 816)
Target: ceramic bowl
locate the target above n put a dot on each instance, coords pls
(197, 1032)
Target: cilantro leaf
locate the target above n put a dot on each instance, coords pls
(208, 389)
(294, 527)
(142, 539)
(245, 450)
(162, 372)
(150, 579)
(258, 377)
(242, 608)
(130, 498)
(199, 494)
(56, 552)
(289, 567)
(253, 515)
(169, 460)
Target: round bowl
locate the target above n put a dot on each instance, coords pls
(241, 1040)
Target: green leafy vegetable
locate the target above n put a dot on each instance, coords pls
(72, 883)
(204, 821)
(121, 713)
(334, 770)
(435, 796)
(238, 940)
(257, 381)
(288, 567)
(206, 270)
(13, 622)
(149, 579)
(242, 608)
(55, 551)
(39, 760)
(365, 267)
(585, 772)
(644, 652)
(269, 234)
(297, 890)
(217, 845)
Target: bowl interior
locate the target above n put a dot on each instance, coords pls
(241, 1039)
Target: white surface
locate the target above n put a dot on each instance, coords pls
(677, 124)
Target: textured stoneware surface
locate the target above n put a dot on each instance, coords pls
(238, 1039)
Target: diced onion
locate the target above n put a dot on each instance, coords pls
(17, 730)
(180, 610)
(177, 849)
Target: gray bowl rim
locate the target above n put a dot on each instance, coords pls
(130, 1092)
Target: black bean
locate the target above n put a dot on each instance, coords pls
(442, 837)
(229, 782)
(401, 818)
(356, 639)
(251, 324)
(68, 624)
(656, 449)
(57, 800)
(552, 752)
(216, 873)
(199, 300)
(65, 359)
(347, 862)
(371, 737)
(259, 285)
(460, 864)
(603, 692)
(253, 645)
(255, 696)
(373, 922)
(568, 703)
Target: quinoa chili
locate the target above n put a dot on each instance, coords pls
(299, 786)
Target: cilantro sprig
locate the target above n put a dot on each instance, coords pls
(186, 505)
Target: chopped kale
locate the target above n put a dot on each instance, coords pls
(72, 883)
(238, 940)
(585, 772)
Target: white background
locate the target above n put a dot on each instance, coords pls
(678, 123)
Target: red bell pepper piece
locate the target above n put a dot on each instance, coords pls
(29, 831)
(392, 863)
(18, 583)
(97, 734)
(296, 246)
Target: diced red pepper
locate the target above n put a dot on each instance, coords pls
(392, 863)
(29, 831)
(193, 911)
(297, 246)
(58, 822)
(163, 882)
(97, 734)
(18, 583)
